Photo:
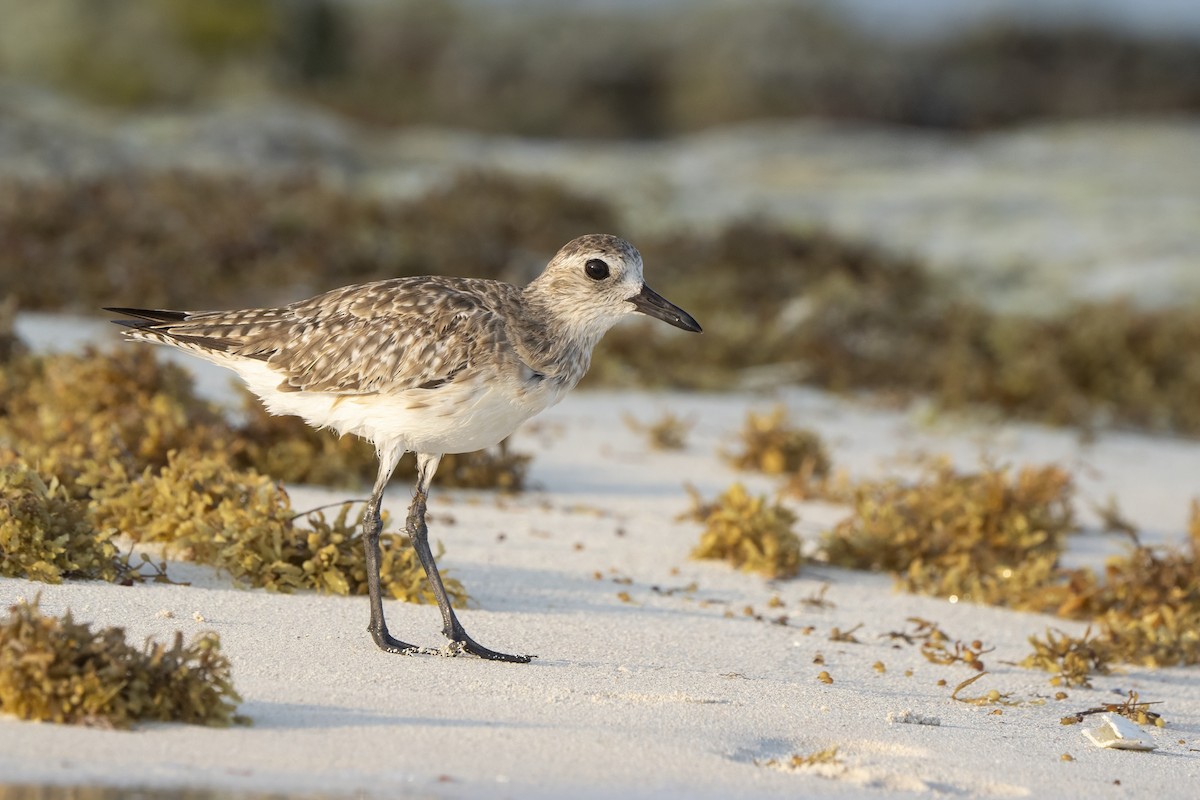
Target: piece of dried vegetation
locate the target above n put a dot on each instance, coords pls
(73, 414)
(46, 535)
(800, 761)
(337, 547)
(58, 670)
(1133, 708)
(936, 645)
(771, 444)
(752, 533)
(986, 537)
(990, 698)
(1146, 605)
(995, 538)
(817, 598)
(243, 523)
(668, 432)
(1073, 659)
(846, 636)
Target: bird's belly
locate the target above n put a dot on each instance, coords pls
(459, 417)
(437, 421)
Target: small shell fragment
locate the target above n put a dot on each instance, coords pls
(910, 717)
(1118, 733)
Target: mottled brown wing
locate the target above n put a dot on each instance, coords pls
(387, 336)
(390, 336)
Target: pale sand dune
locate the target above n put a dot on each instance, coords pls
(661, 696)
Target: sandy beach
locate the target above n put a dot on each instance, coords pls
(989, 207)
(651, 678)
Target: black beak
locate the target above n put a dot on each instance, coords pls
(655, 305)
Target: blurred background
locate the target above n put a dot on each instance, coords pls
(992, 203)
(620, 69)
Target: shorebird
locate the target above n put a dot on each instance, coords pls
(429, 365)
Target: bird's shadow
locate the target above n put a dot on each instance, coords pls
(274, 715)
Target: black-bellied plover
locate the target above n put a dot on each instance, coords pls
(432, 365)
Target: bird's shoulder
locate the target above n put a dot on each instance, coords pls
(398, 300)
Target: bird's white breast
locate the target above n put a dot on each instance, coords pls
(465, 415)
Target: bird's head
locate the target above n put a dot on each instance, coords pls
(596, 280)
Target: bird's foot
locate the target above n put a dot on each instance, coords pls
(391, 644)
(466, 644)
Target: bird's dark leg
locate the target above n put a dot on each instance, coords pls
(419, 533)
(372, 527)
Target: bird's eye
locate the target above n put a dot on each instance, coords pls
(596, 269)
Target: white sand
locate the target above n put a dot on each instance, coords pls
(661, 696)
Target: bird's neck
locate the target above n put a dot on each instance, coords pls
(552, 341)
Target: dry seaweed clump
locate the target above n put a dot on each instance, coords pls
(59, 670)
(340, 542)
(237, 241)
(668, 432)
(986, 537)
(992, 537)
(45, 534)
(243, 523)
(751, 533)
(772, 445)
(1146, 606)
(73, 414)
(207, 511)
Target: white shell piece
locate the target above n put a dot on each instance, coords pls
(1118, 733)
(910, 717)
